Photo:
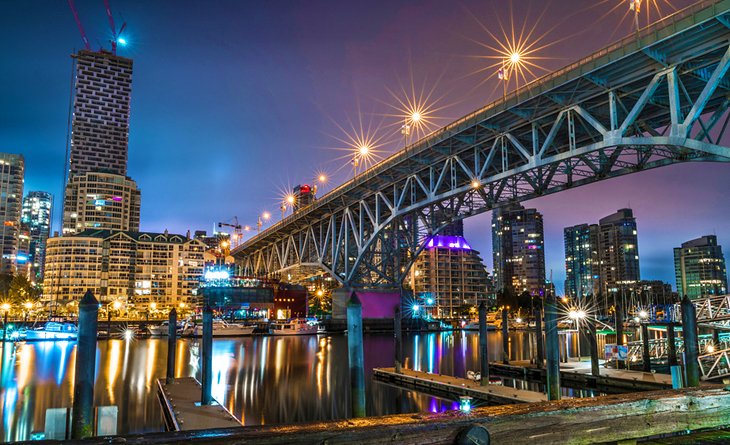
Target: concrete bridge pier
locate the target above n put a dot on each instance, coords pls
(376, 303)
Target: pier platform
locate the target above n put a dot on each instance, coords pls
(182, 411)
(577, 374)
(453, 387)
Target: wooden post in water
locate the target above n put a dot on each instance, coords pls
(671, 345)
(82, 422)
(108, 323)
(540, 361)
(355, 355)
(207, 357)
(593, 344)
(505, 336)
(619, 331)
(5, 329)
(716, 339)
(483, 345)
(645, 355)
(398, 328)
(553, 348)
(171, 345)
(691, 347)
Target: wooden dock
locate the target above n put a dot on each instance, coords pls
(181, 409)
(453, 387)
(578, 375)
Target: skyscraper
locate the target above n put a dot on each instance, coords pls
(699, 267)
(602, 258)
(581, 260)
(12, 170)
(100, 126)
(98, 193)
(618, 251)
(518, 250)
(36, 217)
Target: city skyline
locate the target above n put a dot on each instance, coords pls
(236, 119)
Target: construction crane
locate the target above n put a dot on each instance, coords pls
(116, 35)
(237, 235)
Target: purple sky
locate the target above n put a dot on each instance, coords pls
(234, 100)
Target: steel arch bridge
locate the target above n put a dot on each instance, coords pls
(648, 101)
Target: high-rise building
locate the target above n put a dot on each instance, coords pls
(699, 267)
(602, 258)
(618, 243)
(98, 194)
(100, 126)
(518, 250)
(581, 260)
(12, 170)
(134, 268)
(36, 218)
(449, 275)
(102, 201)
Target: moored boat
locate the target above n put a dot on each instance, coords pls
(220, 329)
(297, 326)
(53, 331)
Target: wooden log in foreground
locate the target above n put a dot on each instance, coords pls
(570, 421)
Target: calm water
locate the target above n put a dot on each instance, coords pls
(261, 379)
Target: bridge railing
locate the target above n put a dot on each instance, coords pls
(629, 43)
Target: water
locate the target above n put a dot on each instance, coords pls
(261, 379)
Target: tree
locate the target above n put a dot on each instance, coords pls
(21, 290)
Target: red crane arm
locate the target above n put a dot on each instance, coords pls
(78, 23)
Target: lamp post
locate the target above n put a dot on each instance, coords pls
(264, 217)
(577, 315)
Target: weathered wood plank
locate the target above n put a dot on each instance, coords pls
(573, 421)
(180, 401)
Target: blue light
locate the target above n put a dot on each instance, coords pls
(122, 41)
(429, 301)
(465, 404)
(416, 308)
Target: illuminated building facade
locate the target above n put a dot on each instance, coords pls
(12, 170)
(140, 269)
(518, 250)
(36, 220)
(448, 276)
(101, 201)
(602, 258)
(699, 267)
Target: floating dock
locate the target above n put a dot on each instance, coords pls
(182, 411)
(454, 387)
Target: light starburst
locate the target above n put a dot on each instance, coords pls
(362, 143)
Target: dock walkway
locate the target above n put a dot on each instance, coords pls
(182, 411)
(453, 387)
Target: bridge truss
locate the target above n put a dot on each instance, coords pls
(649, 101)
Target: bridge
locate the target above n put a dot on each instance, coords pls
(650, 100)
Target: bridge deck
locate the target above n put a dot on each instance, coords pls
(182, 411)
(455, 386)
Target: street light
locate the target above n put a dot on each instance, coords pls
(577, 315)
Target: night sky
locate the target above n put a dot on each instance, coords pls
(234, 101)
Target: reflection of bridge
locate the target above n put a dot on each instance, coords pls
(647, 101)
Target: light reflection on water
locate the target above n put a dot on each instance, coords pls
(262, 380)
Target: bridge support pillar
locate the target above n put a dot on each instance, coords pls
(376, 303)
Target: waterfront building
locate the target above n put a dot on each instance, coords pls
(602, 258)
(581, 260)
(100, 125)
(699, 267)
(12, 171)
(518, 250)
(447, 276)
(101, 201)
(36, 220)
(141, 270)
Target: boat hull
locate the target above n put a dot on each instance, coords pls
(50, 336)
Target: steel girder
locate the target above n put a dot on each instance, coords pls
(603, 124)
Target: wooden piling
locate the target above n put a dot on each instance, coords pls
(171, 345)
(619, 318)
(398, 328)
(553, 348)
(207, 357)
(355, 355)
(593, 344)
(691, 346)
(483, 345)
(82, 423)
(645, 355)
(540, 361)
(505, 336)
(672, 345)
